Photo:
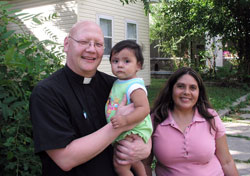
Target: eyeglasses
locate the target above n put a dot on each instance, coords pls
(88, 43)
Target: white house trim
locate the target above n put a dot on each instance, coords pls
(100, 16)
(126, 30)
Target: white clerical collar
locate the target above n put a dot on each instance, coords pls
(86, 80)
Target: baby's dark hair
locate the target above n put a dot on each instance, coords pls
(130, 44)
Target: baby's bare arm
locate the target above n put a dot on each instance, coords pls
(141, 104)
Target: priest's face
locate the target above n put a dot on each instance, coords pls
(84, 48)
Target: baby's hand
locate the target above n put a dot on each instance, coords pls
(118, 121)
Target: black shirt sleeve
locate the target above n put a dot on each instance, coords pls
(52, 128)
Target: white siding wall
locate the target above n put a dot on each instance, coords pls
(90, 9)
(217, 51)
(65, 9)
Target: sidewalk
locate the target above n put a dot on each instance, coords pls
(238, 138)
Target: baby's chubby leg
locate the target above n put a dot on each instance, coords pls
(139, 168)
(122, 170)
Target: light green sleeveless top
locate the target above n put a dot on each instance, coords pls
(121, 87)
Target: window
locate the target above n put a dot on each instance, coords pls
(131, 30)
(106, 24)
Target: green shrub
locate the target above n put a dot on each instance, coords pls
(24, 61)
(227, 72)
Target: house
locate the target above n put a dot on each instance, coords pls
(118, 22)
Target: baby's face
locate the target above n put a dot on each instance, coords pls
(124, 64)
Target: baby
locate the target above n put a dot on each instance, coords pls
(126, 60)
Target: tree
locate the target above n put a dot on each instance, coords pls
(231, 20)
(178, 22)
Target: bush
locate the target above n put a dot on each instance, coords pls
(228, 71)
(24, 61)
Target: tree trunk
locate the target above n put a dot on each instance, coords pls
(244, 57)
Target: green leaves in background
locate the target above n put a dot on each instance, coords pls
(24, 60)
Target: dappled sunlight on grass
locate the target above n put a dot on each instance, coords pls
(222, 97)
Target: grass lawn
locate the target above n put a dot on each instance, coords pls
(220, 97)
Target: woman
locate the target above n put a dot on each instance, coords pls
(189, 137)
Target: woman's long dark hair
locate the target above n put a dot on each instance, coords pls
(164, 101)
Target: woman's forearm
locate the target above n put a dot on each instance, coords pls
(229, 169)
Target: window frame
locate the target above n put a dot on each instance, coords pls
(126, 30)
(105, 17)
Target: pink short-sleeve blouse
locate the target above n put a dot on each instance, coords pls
(188, 153)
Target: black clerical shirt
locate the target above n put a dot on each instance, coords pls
(62, 109)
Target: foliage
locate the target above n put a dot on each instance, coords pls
(228, 71)
(231, 20)
(240, 136)
(24, 61)
(145, 2)
(227, 119)
(177, 24)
